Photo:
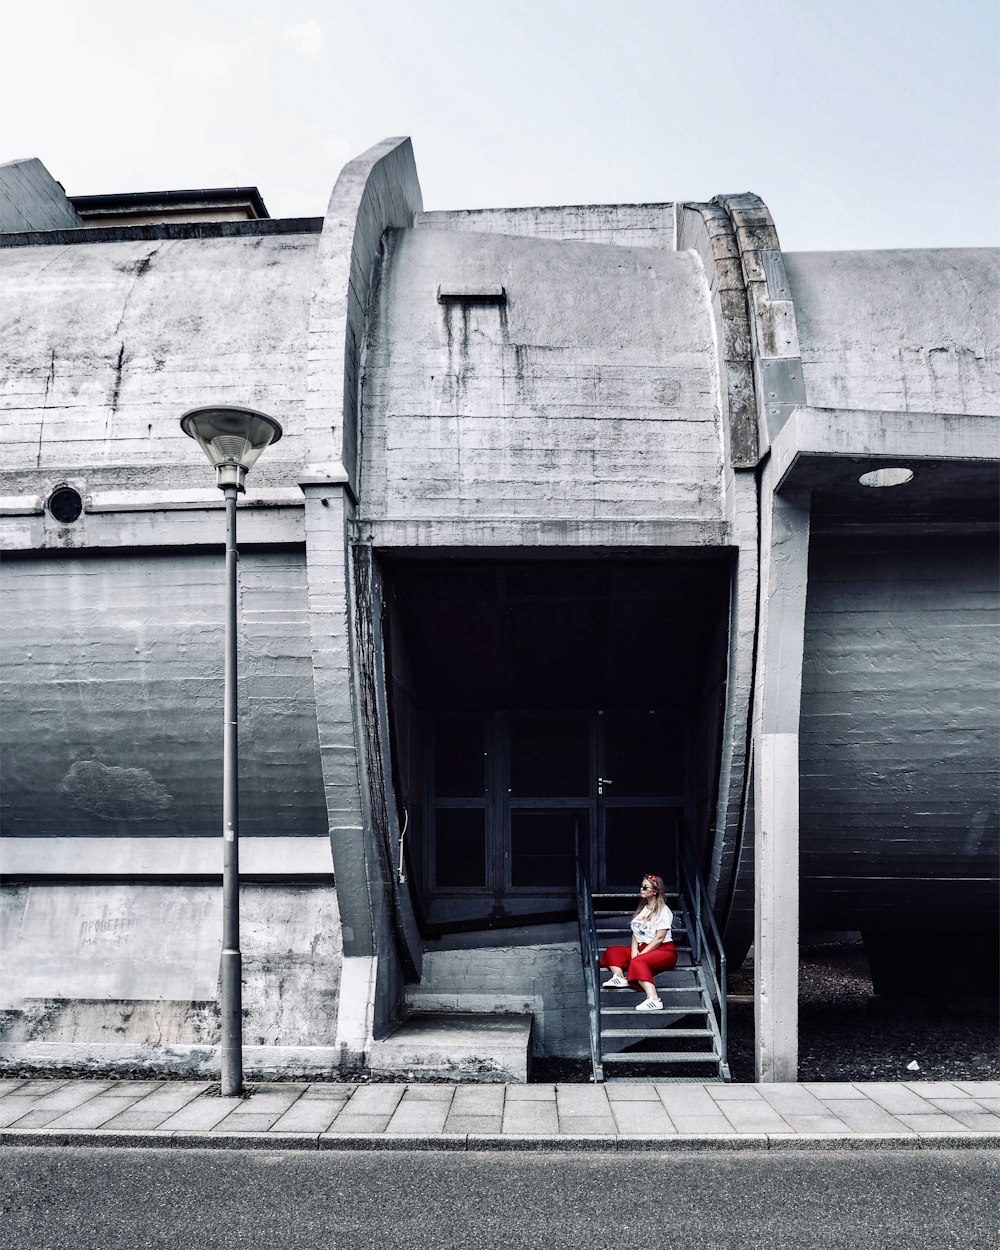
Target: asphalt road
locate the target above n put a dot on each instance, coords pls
(120, 1199)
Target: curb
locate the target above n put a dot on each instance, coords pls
(781, 1143)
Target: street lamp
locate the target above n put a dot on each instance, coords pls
(233, 439)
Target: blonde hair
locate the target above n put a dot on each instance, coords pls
(659, 904)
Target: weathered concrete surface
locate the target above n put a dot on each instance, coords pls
(627, 225)
(114, 341)
(900, 331)
(542, 979)
(31, 199)
(87, 966)
(456, 1046)
(589, 397)
(112, 695)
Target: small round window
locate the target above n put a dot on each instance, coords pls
(896, 476)
(65, 504)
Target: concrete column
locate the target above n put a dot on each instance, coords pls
(784, 567)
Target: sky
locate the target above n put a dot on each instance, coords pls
(862, 124)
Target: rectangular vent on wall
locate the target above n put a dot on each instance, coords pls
(479, 293)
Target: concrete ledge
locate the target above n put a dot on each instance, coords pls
(456, 1046)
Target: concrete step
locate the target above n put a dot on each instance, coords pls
(455, 1046)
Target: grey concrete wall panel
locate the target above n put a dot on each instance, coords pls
(112, 695)
(107, 344)
(628, 225)
(587, 399)
(90, 966)
(377, 190)
(899, 730)
(31, 199)
(900, 331)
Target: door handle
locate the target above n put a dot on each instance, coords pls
(602, 782)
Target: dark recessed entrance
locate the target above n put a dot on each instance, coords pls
(546, 709)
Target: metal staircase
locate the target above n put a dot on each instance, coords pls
(685, 1041)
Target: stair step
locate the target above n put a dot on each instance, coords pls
(661, 1056)
(666, 1031)
(664, 1080)
(677, 1009)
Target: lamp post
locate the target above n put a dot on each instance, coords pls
(233, 439)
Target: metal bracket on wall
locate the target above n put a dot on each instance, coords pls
(782, 389)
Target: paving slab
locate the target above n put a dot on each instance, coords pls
(531, 1093)
(239, 1121)
(702, 1125)
(645, 1119)
(40, 1086)
(359, 1124)
(589, 1100)
(374, 1100)
(478, 1100)
(587, 1125)
(984, 1089)
(832, 1091)
(417, 1116)
(92, 1114)
(202, 1114)
(930, 1123)
(632, 1093)
(151, 1111)
(868, 1117)
(336, 1092)
(7, 1084)
(747, 1116)
(66, 1097)
(687, 1100)
(897, 1098)
(309, 1115)
(480, 1125)
(790, 1100)
(522, 1118)
(14, 1107)
(934, 1089)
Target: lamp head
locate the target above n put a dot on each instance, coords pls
(232, 438)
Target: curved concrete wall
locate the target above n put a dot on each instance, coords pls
(589, 396)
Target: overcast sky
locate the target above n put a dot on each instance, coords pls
(862, 123)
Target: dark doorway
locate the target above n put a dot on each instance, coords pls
(547, 709)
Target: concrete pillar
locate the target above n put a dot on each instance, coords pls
(784, 567)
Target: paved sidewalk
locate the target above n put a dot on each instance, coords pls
(367, 1115)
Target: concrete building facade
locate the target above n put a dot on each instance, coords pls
(581, 540)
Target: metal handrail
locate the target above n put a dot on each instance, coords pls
(590, 956)
(710, 942)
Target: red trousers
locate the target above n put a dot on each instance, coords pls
(642, 967)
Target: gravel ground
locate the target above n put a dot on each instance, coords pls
(848, 1033)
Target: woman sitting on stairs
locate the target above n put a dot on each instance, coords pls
(652, 949)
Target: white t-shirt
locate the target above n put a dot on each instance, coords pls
(645, 930)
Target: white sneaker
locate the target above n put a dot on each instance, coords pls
(650, 1004)
(615, 982)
